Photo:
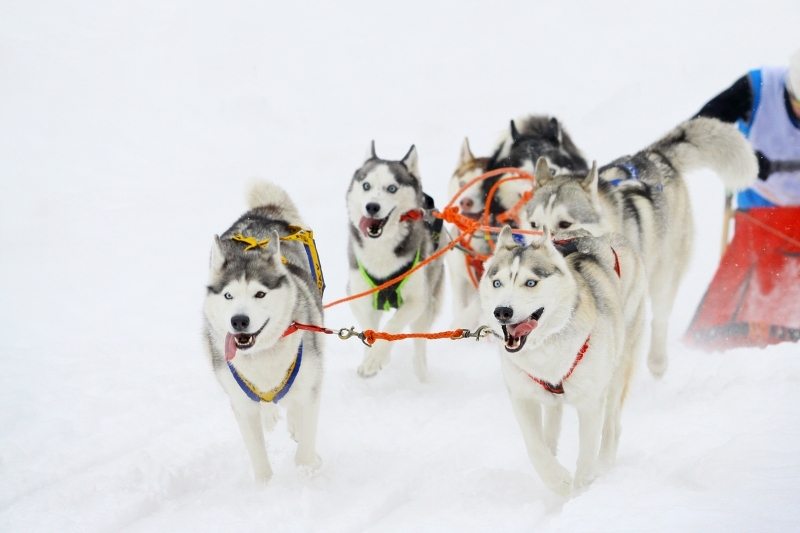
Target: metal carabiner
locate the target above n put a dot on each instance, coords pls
(479, 333)
(346, 333)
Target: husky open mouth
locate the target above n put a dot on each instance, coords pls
(515, 335)
(241, 341)
(372, 227)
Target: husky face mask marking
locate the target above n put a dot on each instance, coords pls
(382, 191)
(564, 202)
(525, 289)
(249, 295)
(469, 167)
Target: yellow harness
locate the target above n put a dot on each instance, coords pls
(301, 235)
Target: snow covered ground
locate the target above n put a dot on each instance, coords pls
(127, 133)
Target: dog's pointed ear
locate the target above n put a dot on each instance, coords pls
(505, 240)
(274, 247)
(466, 153)
(370, 152)
(542, 173)
(411, 161)
(537, 241)
(553, 131)
(217, 260)
(590, 183)
(514, 132)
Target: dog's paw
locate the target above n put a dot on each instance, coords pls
(657, 363)
(309, 468)
(559, 480)
(583, 479)
(372, 365)
(262, 477)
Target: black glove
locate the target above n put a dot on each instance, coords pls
(764, 166)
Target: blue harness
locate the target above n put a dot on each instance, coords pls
(278, 392)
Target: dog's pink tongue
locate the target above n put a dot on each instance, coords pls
(523, 328)
(364, 224)
(230, 347)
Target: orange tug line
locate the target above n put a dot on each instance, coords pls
(467, 228)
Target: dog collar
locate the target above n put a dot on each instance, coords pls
(558, 388)
(278, 392)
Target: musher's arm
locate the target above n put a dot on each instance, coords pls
(732, 104)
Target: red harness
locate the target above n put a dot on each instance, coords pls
(558, 388)
(294, 326)
(411, 216)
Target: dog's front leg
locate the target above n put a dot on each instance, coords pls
(248, 417)
(368, 318)
(590, 423)
(552, 426)
(529, 416)
(303, 416)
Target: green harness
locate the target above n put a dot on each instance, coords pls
(390, 297)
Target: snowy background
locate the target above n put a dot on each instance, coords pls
(128, 131)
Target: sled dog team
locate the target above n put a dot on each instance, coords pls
(568, 305)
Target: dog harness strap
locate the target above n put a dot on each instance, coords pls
(301, 235)
(559, 387)
(616, 262)
(278, 392)
(390, 297)
(411, 216)
(295, 326)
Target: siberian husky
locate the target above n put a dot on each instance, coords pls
(644, 197)
(570, 314)
(465, 266)
(262, 281)
(528, 139)
(390, 233)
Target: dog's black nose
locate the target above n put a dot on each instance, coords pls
(240, 322)
(503, 314)
(373, 208)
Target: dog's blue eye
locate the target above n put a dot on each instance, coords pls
(392, 188)
(531, 283)
(496, 284)
(260, 294)
(366, 186)
(228, 296)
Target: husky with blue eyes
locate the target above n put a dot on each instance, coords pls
(265, 278)
(645, 197)
(570, 313)
(391, 231)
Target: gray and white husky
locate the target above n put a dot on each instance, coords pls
(461, 264)
(529, 138)
(571, 314)
(389, 234)
(644, 197)
(261, 282)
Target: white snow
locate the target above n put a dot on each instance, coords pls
(127, 133)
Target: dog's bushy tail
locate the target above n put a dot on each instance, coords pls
(267, 195)
(709, 143)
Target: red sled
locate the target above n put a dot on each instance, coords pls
(754, 298)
